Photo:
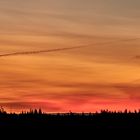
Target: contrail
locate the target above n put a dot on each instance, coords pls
(40, 51)
(63, 49)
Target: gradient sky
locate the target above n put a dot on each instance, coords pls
(104, 74)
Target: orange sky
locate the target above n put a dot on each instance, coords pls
(104, 74)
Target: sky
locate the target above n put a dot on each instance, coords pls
(100, 70)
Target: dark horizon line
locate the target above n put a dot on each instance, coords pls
(102, 111)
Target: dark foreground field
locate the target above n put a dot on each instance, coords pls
(70, 121)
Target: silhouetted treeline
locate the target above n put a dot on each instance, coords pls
(37, 119)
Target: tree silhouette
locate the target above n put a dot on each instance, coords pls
(34, 118)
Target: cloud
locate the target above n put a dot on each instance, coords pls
(80, 97)
(46, 106)
(137, 57)
(88, 91)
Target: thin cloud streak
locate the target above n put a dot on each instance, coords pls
(40, 51)
(62, 49)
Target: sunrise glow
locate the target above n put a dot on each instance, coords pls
(105, 74)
